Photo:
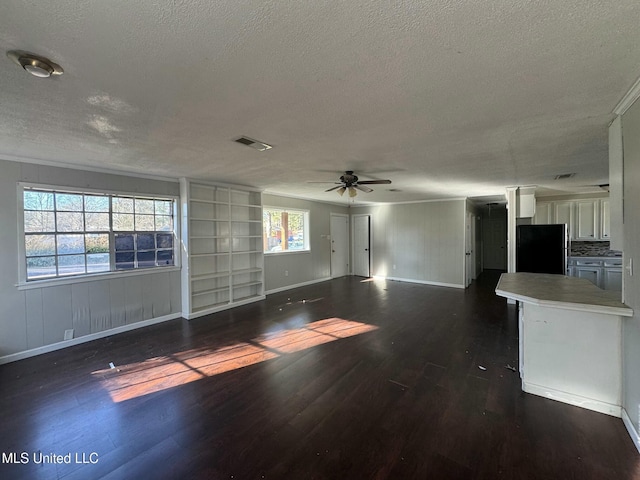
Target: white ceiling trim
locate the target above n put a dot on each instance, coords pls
(629, 99)
(86, 168)
(407, 202)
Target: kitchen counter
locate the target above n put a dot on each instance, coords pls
(570, 334)
(562, 292)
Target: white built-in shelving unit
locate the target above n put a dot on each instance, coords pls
(222, 247)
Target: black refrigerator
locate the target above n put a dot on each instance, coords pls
(541, 248)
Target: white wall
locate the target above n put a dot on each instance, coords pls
(422, 242)
(631, 326)
(38, 317)
(302, 267)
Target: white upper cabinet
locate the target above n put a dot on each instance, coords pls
(587, 215)
(605, 219)
(563, 213)
(544, 213)
(586, 219)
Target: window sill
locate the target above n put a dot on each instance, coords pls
(54, 282)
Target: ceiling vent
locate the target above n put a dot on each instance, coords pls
(564, 176)
(250, 142)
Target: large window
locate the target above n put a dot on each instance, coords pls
(74, 233)
(285, 230)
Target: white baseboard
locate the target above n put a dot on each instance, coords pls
(297, 285)
(423, 282)
(633, 433)
(572, 399)
(85, 338)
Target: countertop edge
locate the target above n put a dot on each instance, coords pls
(581, 307)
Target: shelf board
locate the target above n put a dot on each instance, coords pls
(246, 236)
(241, 299)
(216, 254)
(246, 270)
(246, 251)
(212, 290)
(246, 284)
(200, 219)
(246, 221)
(250, 205)
(207, 276)
(208, 237)
(209, 307)
(210, 202)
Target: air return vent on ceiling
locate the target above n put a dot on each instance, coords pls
(250, 142)
(564, 176)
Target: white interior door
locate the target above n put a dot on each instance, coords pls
(361, 246)
(339, 245)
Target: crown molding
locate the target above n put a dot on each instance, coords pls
(629, 98)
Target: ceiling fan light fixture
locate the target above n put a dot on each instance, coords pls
(349, 181)
(36, 65)
(37, 68)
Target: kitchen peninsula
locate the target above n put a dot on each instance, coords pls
(570, 335)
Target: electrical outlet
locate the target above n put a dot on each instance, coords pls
(286, 273)
(68, 334)
(394, 266)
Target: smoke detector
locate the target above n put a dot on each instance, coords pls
(36, 65)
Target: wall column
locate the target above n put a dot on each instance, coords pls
(512, 198)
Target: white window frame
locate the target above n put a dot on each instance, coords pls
(306, 240)
(23, 283)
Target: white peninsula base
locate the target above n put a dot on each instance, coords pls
(570, 339)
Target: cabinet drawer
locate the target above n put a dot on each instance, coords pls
(615, 263)
(588, 263)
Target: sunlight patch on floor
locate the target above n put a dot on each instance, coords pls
(161, 373)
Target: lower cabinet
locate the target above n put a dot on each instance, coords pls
(593, 274)
(612, 279)
(605, 274)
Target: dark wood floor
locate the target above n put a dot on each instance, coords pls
(344, 379)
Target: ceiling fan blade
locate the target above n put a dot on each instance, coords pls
(337, 183)
(373, 182)
(333, 188)
(364, 189)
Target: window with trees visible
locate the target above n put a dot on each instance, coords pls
(70, 233)
(285, 230)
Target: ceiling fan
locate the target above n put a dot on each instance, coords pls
(349, 181)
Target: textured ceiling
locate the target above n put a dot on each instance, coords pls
(446, 98)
